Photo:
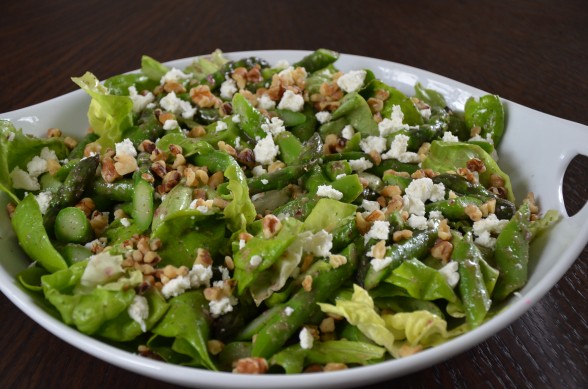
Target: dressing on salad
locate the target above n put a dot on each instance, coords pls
(249, 217)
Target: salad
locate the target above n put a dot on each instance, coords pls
(269, 218)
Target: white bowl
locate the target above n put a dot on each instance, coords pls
(535, 151)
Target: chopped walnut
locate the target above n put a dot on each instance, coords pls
(271, 225)
(442, 250)
(108, 170)
(397, 236)
(125, 164)
(391, 191)
(444, 232)
(476, 165)
(379, 250)
(251, 365)
(307, 283)
(336, 260)
(334, 366)
(203, 97)
(473, 212)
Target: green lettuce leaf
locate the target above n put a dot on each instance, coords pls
(109, 115)
(204, 66)
(421, 282)
(187, 322)
(294, 358)
(360, 312)
(449, 156)
(240, 211)
(17, 149)
(153, 68)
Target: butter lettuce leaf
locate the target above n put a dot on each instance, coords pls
(109, 115)
(240, 211)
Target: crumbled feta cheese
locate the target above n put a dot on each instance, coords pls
(176, 286)
(242, 243)
(125, 222)
(379, 230)
(236, 118)
(44, 200)
(200, 275)
(288, 311)
(95, 244)
(175, 105)
(483, 230)
(425, 113)
(174, 75)
(373, 143)
(265, 181)
(347, 132)
(398, 146)
(22, 180)
(125, 148)
(437, 192)
(323, 116)
(351, 81)
(339, 176)
(435, 215)
(449, 137)
(417, 222)
(329, 191)
(48, 155)
(409, 157)
(395, 123)
(11, 136)
(265, 150)
(274, 127)
(220, 307)
(420, 189)
(255, 261)
(292, 101)
(450, 273)
(258, 171)
(380, 264)
(140, 101)
(413, 206)
(306, 339)
(370, 206)
(221, 126)
(361, 164)
(36, 166)
(139, 311)
(170, 124)
(318, 244)
(228, 88)
(282, 64)
(265, 102)
(224, 273)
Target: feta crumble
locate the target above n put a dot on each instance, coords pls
(265, 150)
(221, 126)
(306, 339)
(292, 101)
(288, 311)
(170, 124)
(361, 164)
(22, 180)
(329, 192)
(175, 105)
(220, 307)
(44, 200)
(352, 80)
(258, 171)
(125, 222)
(373, 143)
(318, 244)
(323, 116)
(449, 137)
(347, 132)
(176, 286)
(370, 206)
(380, 264)
(36, 166)
(395, 123)
(485, 228)
(398, 150)
(265, 102)
(174, 75)
(379, 230)
(450, 273)
(228, 88)
(274, 127)
(139, 311)
(417, 222)
(140, 101)
(125, 148)
(200, 275)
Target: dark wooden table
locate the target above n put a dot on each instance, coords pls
(531, 52)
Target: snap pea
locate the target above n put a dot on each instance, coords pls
(512, 254)
(143, 191)
(279, 328)
(27, 222)
(454, 209)
(414, 247)
(72, 226)
(290, 147)
(119, 190)
(317, 60)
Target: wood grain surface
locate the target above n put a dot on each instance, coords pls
(532, 52)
